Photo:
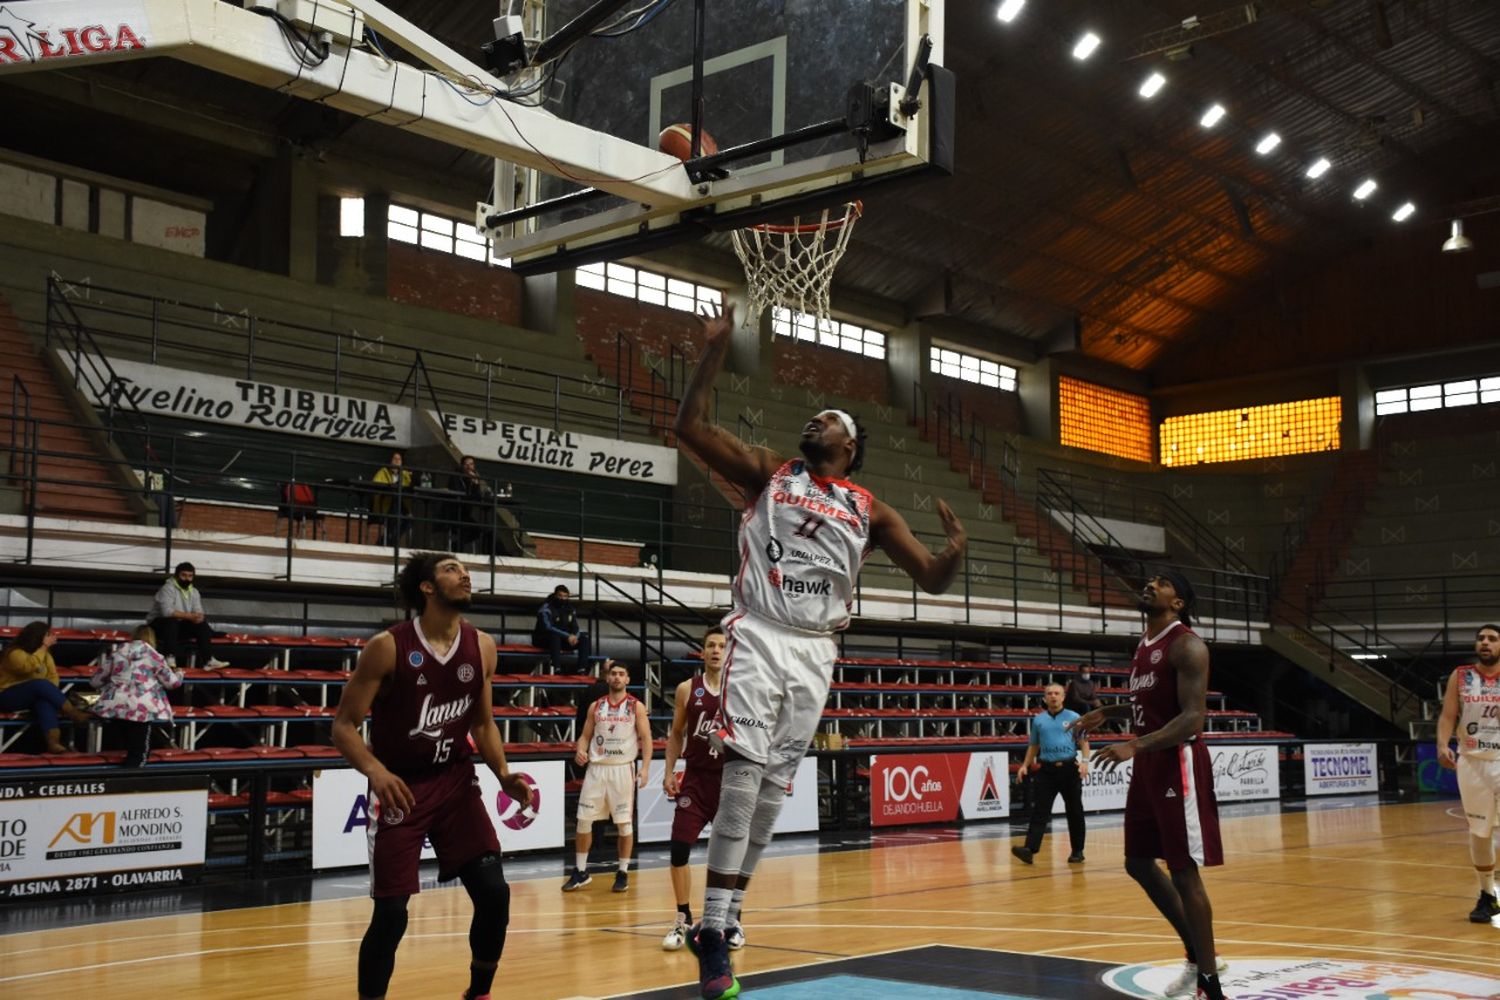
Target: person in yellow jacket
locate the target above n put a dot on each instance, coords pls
(28, 683)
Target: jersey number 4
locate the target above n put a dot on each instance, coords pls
(809, 527)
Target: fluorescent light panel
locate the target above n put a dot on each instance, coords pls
(1268, 143)
(1009, 9)
(1366, 188)
(1086, 46)
(1319, 167)
(1212, 116)
(1404, 212)
(1152, 85)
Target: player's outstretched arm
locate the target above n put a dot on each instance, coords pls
(376, 664)
(487, 735)
(746, 467)
(1447, 723)
(933, 573)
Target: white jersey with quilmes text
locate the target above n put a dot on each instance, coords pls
(1478, 714)
(802, 541)
(615, 738)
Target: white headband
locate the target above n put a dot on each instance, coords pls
(846, 420)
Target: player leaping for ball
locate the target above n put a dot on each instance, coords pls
(804, 534)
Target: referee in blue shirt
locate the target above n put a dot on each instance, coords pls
(1057, 762)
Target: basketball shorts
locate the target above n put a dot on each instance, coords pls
(775, 686)
(449, 811)
(1479, 790)
(697, 801)
(1170, 809)
(608, 791)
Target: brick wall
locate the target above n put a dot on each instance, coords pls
(566, 550)
(996, 410)
(453, 284)
(254, 521)
(828, 369)
(656, 329)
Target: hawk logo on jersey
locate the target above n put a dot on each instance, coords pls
(465, 673)
(1156, 656)
(432, 718)
(415, 658)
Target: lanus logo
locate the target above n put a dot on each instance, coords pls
(22, 41)
(432, 718)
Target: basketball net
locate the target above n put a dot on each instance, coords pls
(792, 266)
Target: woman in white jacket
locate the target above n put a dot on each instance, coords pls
(133, 682)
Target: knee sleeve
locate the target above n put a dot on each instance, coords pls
(731, 832)
(681, 851)
(624, 829)
(768, 805)
(484, 880)
(377, 952)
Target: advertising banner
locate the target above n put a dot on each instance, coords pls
(654, 811)
(1245, 773)
(100, 834)
(260, 406)
(1103, 791)
(341, 813)
(916, 788)
(566, 451)
(1338, 768)
(1432, 776)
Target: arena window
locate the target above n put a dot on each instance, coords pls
(648, 286)
(849, 337)
(982, 371)
(440, 233)
(1294, 428)
(1103, 419)
(1438, 395)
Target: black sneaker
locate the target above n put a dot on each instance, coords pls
(1024, 853)
(1076, 858)
(1486, 909)
(576, 881)
(715, 977)
(622, 882)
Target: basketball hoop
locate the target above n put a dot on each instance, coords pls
(792, 266)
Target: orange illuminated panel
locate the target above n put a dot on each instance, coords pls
(1107, 420)
(1252, 432)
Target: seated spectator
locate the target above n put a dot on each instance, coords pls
(178, 621)
(557, 629)
(475, 510)
(391, 518)
(1082, 693)
(133, 682)
(28, 683)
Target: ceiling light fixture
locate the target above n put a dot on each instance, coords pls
(1086, 46)
(1458, 242)
(1403, 213)
(1152, 85)
(1268, 143)
(1366, 188)
(1319, 167)
(1212, 116)
(1009, 9)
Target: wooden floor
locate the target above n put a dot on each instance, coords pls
(1388, 883)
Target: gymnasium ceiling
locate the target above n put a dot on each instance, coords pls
(1080, 216)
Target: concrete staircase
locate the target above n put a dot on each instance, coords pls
(1355, 678)
(76, 478)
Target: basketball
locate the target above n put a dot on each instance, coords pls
(677, 139)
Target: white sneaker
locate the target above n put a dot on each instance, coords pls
(215, 663)
(1186, 983)
(676, 937)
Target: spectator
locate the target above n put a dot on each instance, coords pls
(28, 683)
(1082, 693)
(392, 514)
(133, 682)
(178, 621)
(557, 629)
(475, 509)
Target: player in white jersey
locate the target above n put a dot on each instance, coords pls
(616, 732)
(1472, 706)
(805, 531)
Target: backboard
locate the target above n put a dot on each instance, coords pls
(770, 68)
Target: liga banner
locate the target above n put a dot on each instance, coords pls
(565, 451)
(1103, 791)
(654, 811)
(1339, 768)
(101, 834)
(260, 406)
(341, 813)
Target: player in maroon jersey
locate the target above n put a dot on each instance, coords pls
(426, 684)
(1170, 811)
(697, 789)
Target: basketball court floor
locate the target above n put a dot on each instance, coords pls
(1350, 898)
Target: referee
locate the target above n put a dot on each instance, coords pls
(1058, 762)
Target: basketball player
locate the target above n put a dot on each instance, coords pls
(695, 707)
(1472, 704)
(616, 733)
(426, 685)
(804, 534)
(1170, 810)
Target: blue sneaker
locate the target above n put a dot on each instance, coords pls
(715, 977)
